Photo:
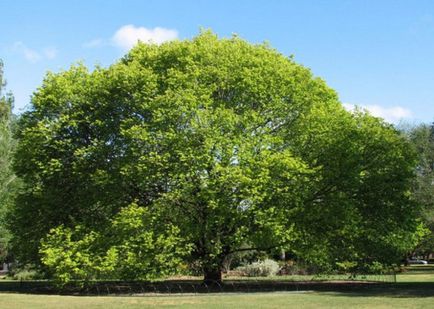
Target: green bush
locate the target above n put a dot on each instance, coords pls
(260, 269)
(27, 274)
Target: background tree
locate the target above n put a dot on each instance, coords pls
(422, 137)
(229, 142)
(7, 178)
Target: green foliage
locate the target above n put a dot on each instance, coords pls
(8, 182)
(378, 268)
(144, 245)
(364, 173)
(25, 273)
(422, 138)
(346, 266)
(136, 245)
(227, 143)
(68, 258)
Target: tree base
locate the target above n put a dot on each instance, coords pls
(213, 276)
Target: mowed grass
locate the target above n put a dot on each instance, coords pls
(417, 273)
(415, 289)
(254, 300)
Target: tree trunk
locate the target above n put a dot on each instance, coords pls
(282, 255)
(212, 275)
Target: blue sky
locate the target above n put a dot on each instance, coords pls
(376, 54)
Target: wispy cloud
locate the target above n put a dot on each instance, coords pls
(50, 52)
(30, 54)
(127, 36)
(33, 55)
(391, 114)
(94, 43)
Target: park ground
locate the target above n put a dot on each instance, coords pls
(414, 289)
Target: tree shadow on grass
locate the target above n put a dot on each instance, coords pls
(398, 290)
(345, 288)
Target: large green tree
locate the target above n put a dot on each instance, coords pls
(231, 143)
(7, 178)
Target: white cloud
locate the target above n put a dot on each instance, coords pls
(128, 35)
(391, 114)
(33, 55)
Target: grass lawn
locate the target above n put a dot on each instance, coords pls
(256, 300)
(414, 289)
(417, 273)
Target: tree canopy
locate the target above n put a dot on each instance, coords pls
(422, 137)
(7, 178)
(226, 143)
